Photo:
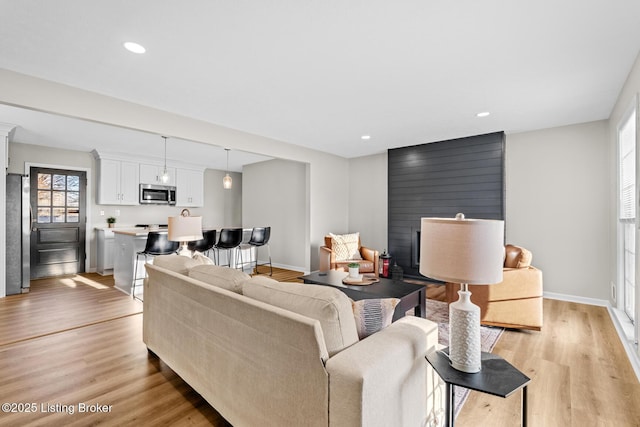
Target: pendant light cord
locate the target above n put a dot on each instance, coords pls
(165, 174)
(165, 154)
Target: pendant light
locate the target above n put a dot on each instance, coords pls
(165, 173)
(226, 181)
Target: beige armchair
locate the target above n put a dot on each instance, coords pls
(331, 259)
(516, 302)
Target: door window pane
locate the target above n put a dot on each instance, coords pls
(44, 215)
(59, 182)
(73, 215)
(44, 181)
(58, 215)
(73, 198)
(44, 198)
(58, 198)
(73, 183)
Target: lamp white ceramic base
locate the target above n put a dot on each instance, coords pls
(464, 334)
(184, 250)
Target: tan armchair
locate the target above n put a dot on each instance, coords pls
(516, 302)
(328, 258)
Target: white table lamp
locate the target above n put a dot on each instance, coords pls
(184, 229)
(465, 251)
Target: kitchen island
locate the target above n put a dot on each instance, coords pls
(127, 243)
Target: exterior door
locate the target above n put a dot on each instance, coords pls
(58, 222)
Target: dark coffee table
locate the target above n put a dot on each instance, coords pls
(410, 296)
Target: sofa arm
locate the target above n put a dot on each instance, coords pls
(385, 379)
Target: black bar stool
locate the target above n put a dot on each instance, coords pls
(230, 238)
(260, 237)
(204, 245)
(158, 243)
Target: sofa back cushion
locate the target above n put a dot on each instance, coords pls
(517, 257)
(180, 264)
(329, 306)
(222, 277)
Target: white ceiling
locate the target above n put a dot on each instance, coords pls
(322, 73)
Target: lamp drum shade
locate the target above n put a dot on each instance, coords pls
(185, 228)
(462, 250)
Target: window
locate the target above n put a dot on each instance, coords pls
(627, 208)
(58, 198)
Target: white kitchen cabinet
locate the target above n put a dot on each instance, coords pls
(152, 174)
(105, 251)
(118, 182)
(189, 187)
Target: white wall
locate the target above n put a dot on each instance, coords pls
(275, 195)
(222, 208)
(368, 210)
(557, 188)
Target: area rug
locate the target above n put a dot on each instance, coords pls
(438, 311)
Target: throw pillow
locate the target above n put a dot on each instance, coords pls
(202, 258)
(222, 277)
(329, 306)
(178, 263)
(345, 246)
(517, 257)
(373, 315)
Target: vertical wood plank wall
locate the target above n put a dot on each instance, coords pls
(441, 179)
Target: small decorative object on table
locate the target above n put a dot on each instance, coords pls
(383, 264)
(354, 270)
(111, 221)
(361, 280)
(396, 273)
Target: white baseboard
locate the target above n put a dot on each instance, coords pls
(632, 354)
(290, 267)
(573, 298)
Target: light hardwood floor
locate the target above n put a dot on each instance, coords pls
(78, 340)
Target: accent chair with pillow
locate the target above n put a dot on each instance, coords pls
(516, 302)
(340, 250)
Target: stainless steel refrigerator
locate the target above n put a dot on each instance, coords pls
(18, 234)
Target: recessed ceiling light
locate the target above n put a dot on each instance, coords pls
(366, 137)
(483, 114)
(134, 47)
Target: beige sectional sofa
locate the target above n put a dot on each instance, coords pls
(268, 353)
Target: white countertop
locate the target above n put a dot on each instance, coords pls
(142, 231)
(128, 230)
(136, 231)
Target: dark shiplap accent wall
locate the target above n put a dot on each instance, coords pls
(441, 179)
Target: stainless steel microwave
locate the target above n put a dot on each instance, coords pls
(157, 194)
